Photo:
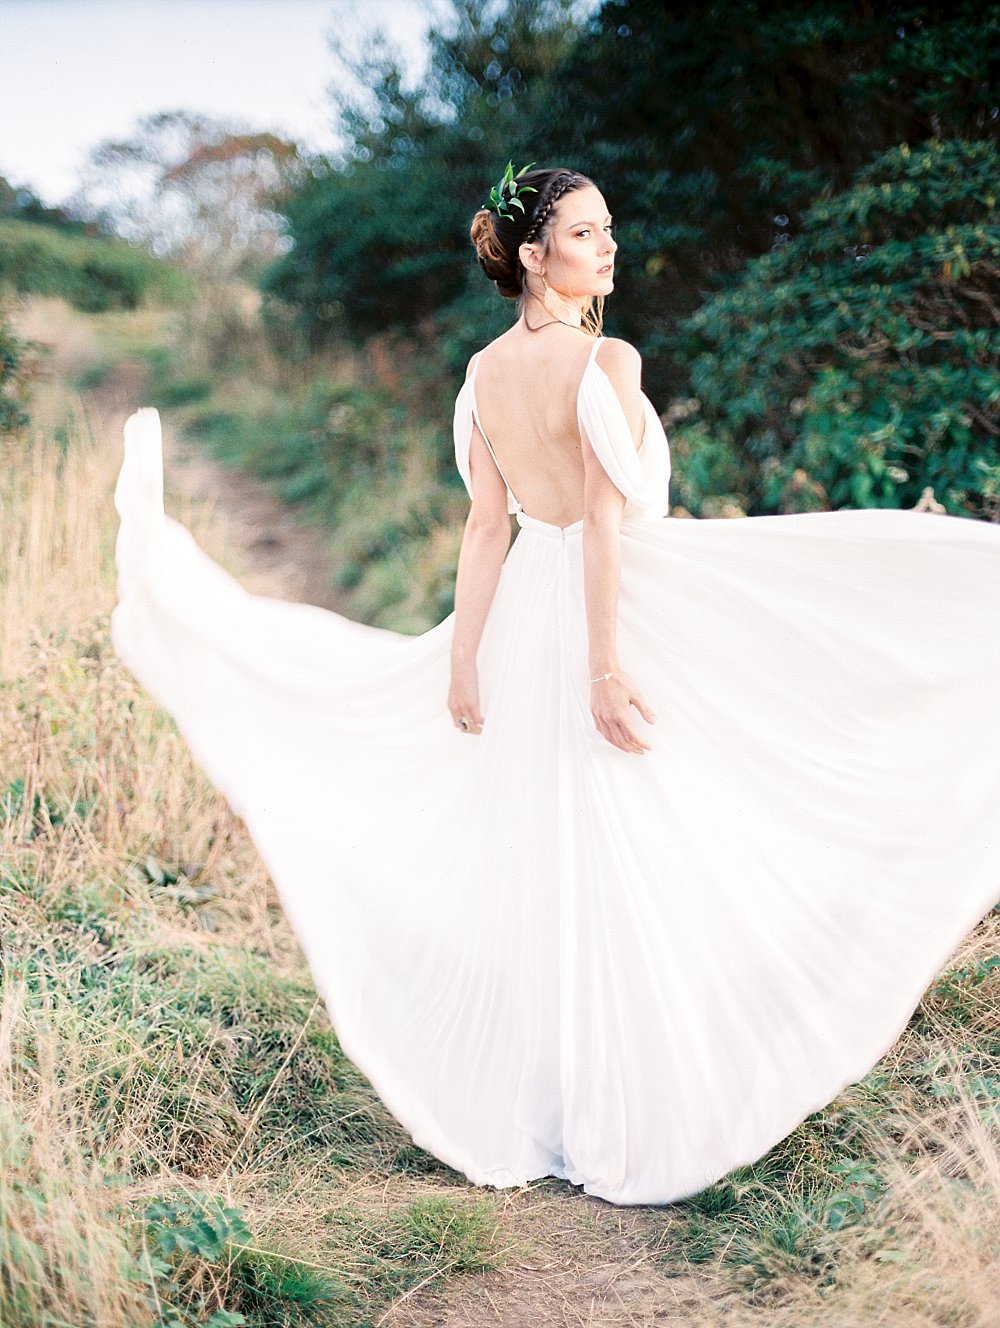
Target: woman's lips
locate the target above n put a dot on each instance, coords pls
(603, 271)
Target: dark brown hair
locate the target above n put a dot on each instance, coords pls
(497, 239)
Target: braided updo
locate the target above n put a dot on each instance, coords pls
(497, 239)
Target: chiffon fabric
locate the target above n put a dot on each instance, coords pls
(555, 958)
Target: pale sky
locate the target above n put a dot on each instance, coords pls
(74, 72)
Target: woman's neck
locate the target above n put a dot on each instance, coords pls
(554, 306)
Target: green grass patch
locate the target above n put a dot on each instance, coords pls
(94, 273)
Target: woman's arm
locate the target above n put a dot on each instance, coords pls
(604, 505)
(485, 542)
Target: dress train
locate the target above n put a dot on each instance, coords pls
(552, 957)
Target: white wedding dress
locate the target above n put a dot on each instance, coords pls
(552, 957)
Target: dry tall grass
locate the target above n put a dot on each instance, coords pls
(158, 1029)
(53, 554)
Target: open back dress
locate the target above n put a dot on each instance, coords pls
(553, 957)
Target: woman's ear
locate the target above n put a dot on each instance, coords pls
(531, 259)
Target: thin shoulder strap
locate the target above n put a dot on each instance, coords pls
(479, 426)
(591, 360)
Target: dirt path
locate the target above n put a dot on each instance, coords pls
(260, 539)
(264, 543)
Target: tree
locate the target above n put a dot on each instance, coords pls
(196, 189)
(711, 127)
(380, 234)
(23, 204)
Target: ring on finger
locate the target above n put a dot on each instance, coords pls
(463, 724)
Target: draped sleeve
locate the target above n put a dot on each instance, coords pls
(642, 475)
(462, 430)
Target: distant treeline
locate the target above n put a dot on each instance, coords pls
(806, 197)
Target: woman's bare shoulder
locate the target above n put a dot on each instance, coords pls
(472, 360)
(486, 352)
(619, 358)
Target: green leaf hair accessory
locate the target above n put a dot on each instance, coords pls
(505, 193)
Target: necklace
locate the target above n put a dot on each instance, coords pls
(538, 326)
(554, 306)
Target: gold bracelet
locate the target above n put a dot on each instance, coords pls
(603, 678)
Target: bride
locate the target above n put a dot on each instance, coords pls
(550, 958)
(555, 257)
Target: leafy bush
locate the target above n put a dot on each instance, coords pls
(94, 273)
(205, 1260)
(371, 243)
(714, 130)
(13, 375)
(857, 363)
(719, 123)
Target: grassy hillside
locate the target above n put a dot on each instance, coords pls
(92, 272)
(183, 1142)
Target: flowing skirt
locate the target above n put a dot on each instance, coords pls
(551, 957)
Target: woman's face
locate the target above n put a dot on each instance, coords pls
(580, 255)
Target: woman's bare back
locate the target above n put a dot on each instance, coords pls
(526, 389)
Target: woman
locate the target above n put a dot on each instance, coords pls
(549, 957)
(565, 236)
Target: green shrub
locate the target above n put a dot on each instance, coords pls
(13, 387)
(857, 363)
(93, 273)
(204, 1259)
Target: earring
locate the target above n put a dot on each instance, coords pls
(563, 310)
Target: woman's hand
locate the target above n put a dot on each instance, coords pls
(463, 699)
(610, 700)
